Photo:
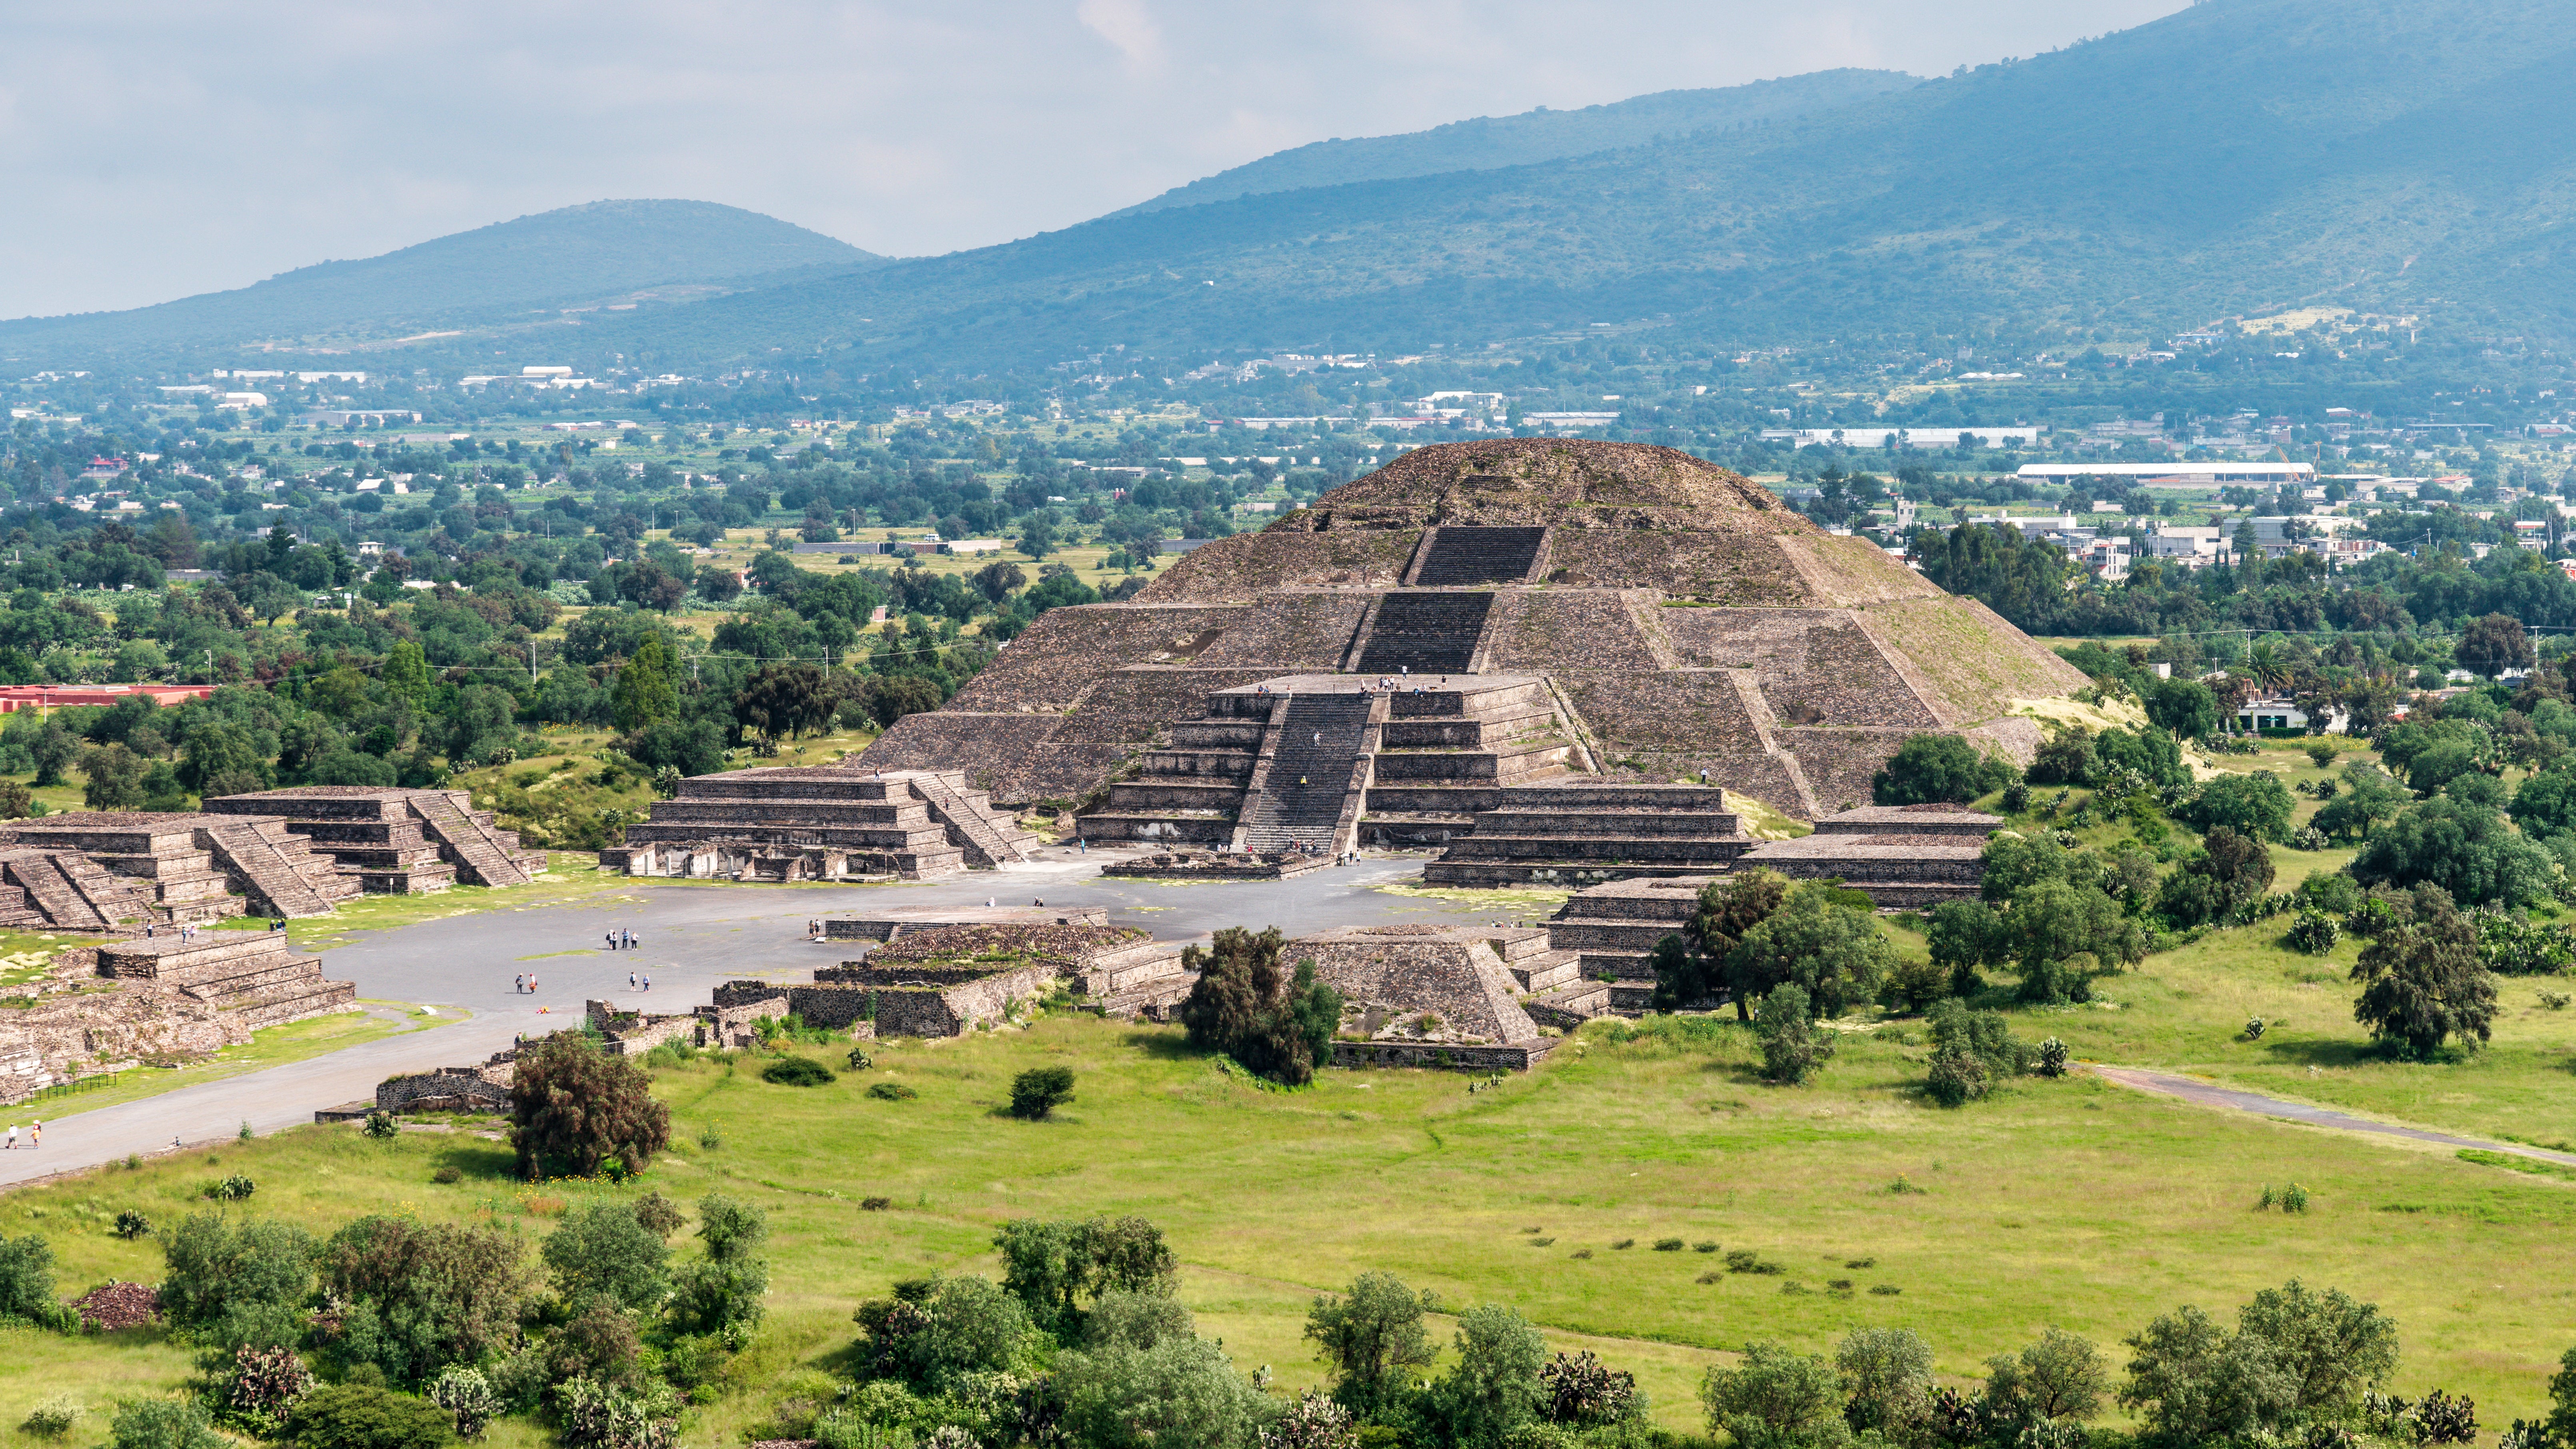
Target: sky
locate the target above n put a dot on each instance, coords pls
(152, 149)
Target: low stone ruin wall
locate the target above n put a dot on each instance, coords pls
(451, 1089)
(886, 1010)
(1513, 1057)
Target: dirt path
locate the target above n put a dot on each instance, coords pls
(2209, 1094)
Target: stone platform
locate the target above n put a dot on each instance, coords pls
(1421, 995)
(821, 823)
(166, 868)
(1215, 865)
(396, 842)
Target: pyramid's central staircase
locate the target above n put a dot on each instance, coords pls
(822, 823)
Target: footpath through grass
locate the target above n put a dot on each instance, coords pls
(2073, 1203)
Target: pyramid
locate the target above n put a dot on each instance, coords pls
(1599, 613)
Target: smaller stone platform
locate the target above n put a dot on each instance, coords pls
(902, 921)
(1216, 865)
(1422, 995)
(821, 823)
(1900, 856)
(947, 980)
(393, 841)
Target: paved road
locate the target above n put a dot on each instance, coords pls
(691, 937)
(2205, 1094)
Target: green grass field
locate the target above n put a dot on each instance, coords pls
(2075, 1203)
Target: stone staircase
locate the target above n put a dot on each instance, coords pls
(482, 855)
(66, 890)
(1612, 929)
(1190, 791)
(1587, 833)
(1144, 979)
(1321, 757)
(1454, 556)
(987, 836)
(1432, 631)
(280, 873)
(255, 974)
(1451, 751)
(371, 835)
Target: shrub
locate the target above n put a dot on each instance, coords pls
(1624, 1243)
(1703, 1246)
(603, 1252)
(1040, 1090)
(2424, 982)
(1582, 1391)
(797, 1072)
(658, 1215)
(54, 1417)
(2442, 1419)
(235, 1188)
(164, 1424)
(27, 1285)
(237, 1285)
(892, 1092)
(2052, 1058)
(1311, 1421)
(1929, 768)
(1775, 1399)
(875, 1204)
(2314, 932)
(1794, 1047)
(1278, 1024)
(356, 1416)
(860, 1061)
(722, 1292)
(1668, 1245)
(448, 1175)
(261, 1387)
(421, 1295)
(1371, 1338)
(468, 1399)
(600, 1416)
(381, 1125)
(1956, 1079)
(1888, 1374)
(131, 1224)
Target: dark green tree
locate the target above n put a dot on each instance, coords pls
(574, 1105)
(2464, 848)
(1930, 768)
(1277, 1025)
(1370, 1338)
(645, 691)
(2424, 982)
(1834, 953)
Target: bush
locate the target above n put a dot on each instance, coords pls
(54, 1417)
(448, 1175)
(2052, 1058)
(237, 1286)
(1040, 1090)
(599, 1416)
(1957, 1078)
(797, 1072)
(381, 1125)
(2424, 982)
(131, 1225)
(2256, 805)
(603, 1252)
(1929, 768)
(722, 1292)
(1277, 1024)
(420, 1295)
(261, 1387)
(235, 1188)
(468, 1399)
(2314, 932)
(1794, 1047)
(1775, 1399)
(356, 1416)
(27, 1285)
(164, 1424)
(892, 1092)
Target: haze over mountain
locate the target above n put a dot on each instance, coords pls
(511, 271)
(2240, 156)
(1489, 143)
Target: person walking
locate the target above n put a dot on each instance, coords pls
(648, 985)
(36, 1135)
(630, 980)
(13, 1137)
(519, 984)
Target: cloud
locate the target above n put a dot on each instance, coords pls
(1126, 25)
(156, 148)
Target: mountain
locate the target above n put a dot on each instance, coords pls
(2235, 158)
(511, 271)
(1489, 143)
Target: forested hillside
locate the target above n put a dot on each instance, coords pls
(1488, 143)
(2239, 156)
(508, 271)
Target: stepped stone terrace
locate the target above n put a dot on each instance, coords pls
(1587, 643)
(945, 980)
(1422, 995)
(821, 823)
(159, 997)
(396, 842)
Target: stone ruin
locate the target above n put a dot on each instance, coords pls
(825, 822)
(902, 919)
(107, 1008)
(1586, 641)
(948, 980)
(396, 842)
(1439, 996)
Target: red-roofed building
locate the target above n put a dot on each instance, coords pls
(40, 697)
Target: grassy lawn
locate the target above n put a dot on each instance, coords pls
(2073, 1202)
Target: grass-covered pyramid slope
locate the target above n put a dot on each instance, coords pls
(1689, 619)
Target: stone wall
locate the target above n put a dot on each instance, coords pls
(1517, 1057)
(902, 1011)
(484, 1088)
(1395, 972)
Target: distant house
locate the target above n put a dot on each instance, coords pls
(42, 697)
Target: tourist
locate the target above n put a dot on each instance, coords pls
(36, 1135)
(13, 1137)
(519, 984)
(648, 984)
(630, 980)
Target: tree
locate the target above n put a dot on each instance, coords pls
(2424, 982)
(53, 748)
(1971, 1051)
(237, 1285)
(1040, 1090)
(574, 1104)
(1794, 1048)
(2058, 1380)
(422, 1296)
(2193, 1382)
(1888, 1372)
(1181, 1393)
(2330, 1346)
(1494, 1386)
(2491, 645)
(1726, 910)
(603, 1252)
(1054, 1267)
(222, 758)
(1835, 953)
(1278, 1026)
(1369, 1337)
(645, 691)
(2184, 708)
(115, 778)
(2231, 871)
(1776, 1399)
(2369, 795)
(1929, 768)
(2464, 848)
(996, 580)
(724, 1289)
(357, 1416)
(1965, 935)
(2256, 805)
(2054, 922)
(784, 700)
(406, 671)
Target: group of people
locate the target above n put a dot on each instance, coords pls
(525, 983)
(35, 1136)
(632, 978)
(621, 941)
